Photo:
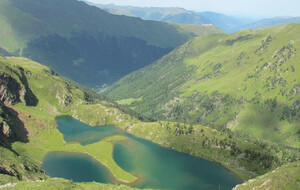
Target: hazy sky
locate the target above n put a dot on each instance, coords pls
(252, 8)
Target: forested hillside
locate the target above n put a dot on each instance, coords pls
(85, 43)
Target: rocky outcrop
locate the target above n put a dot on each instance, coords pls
(11, 127)
(22, 168)
(11, 92)
(14, 88)
(8, 171)
(64, 96)
(29, 97)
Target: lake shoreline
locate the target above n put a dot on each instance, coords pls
(145, 138)
(126, 134)
(170, 148)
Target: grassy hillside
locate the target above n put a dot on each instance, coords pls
(286, 177)
(58, 184)
(33, 96)
(81, 41)
(247, 81)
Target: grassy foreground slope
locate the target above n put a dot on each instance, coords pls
(285, 177)
(33, 96)
(59, 184)
(248, 81)
(81, 41)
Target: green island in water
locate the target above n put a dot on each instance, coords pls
(151, 165)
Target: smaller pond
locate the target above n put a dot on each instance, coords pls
(77, 167)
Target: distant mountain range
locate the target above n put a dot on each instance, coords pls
(85, 43)
(176, 15)
(269, 22)
(179, 15)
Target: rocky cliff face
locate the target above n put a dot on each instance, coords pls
(11, 92)
(64, 96)
(11, 127)
(14, 88)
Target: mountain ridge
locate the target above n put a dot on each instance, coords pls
(268, 22)
(176, 15)
(179, 15)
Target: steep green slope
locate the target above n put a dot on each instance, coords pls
(246, 81)
(83, 42)
(285, 177)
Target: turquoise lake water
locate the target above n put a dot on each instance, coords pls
(155, 166)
